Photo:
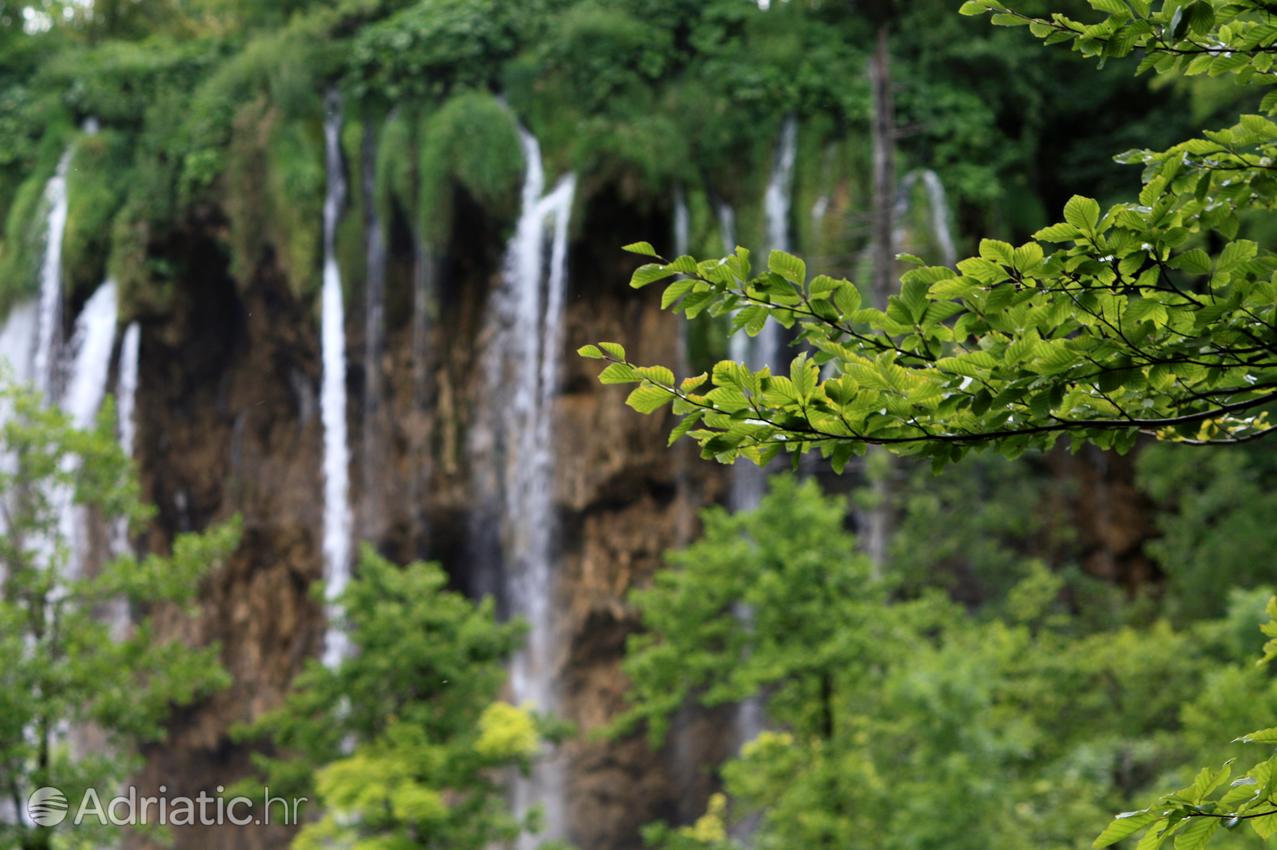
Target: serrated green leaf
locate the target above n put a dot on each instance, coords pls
(657, 374)
(590, 352)
(675, 291)
(1083, 213)
(649, 398)
(1262, 736)
(650, 273)
(619, 373)
(614, 349)
(791, 268)
(643, 249)
(1196, 834)
(1125, 825)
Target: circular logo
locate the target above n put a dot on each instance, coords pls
(47, 807)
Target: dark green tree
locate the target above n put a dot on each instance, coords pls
(68, 673)
(405, 744)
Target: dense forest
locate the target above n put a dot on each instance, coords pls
(305, 487)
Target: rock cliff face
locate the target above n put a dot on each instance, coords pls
(229, 424)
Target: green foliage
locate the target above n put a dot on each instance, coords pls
(433, 48)
(24, 239)
(809, 599)
(65, 668)
(1216, 514)
(471, 142)
(900, 724)
(405, 742)
(396, 178)
(95, 188)
(274, 188)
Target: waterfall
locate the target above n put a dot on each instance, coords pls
(780, 189)
(682, 238)
(749, 482)
(937, 207)
(90, 356)
(727, 226)
(767, 348)
(17, 341)
(337, 518)
(118, 616)
(682, 222)
(126, 386)
(49, 320)
(513, 443)
(89, 361)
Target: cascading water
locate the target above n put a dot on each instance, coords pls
(126, 386)
(727, 226)
(514, 440)
(749, 483)
(49, 321)
(337, 516)
(937, 209)
(90, 356)
(780, 188)
(126, 382)
(17, 341)
(682, 238)
(766, 349)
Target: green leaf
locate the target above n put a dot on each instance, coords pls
(1263, 736)
(590, 352)
(1235, 254)
(650, 273)
(619, 373)
(1265, 827)
(1083, 213)
(1059, 232)
(1196, 834)
(1201, 17)
(804, 375)
(791, 268)
(657, 374)
(649, 398)
(643, 249)
(1125, 825)
(1195, 261)
(691, 383)
(675, 291)
(614, 349)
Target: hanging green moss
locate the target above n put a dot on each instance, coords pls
(273, 193)
(352, 254)
(396, 168)
(146, 282)
(24, 240)
(287, 67)
(295, 201)
(98, 164)
(472, 142)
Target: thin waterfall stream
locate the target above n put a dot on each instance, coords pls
(337, 514)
